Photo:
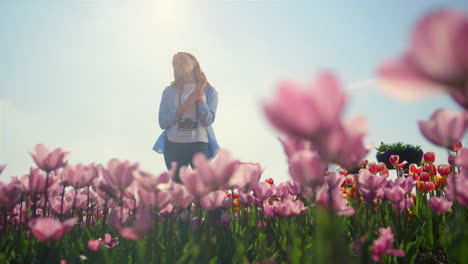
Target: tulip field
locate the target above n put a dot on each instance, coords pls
(223, 211)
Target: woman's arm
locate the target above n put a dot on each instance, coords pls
(207, 110)
(167, 115)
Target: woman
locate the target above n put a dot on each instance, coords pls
(186, 113)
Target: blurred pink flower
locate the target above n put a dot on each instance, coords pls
(213, 200)
(403, 204)
(263, 190)
(344, 143)
(9, 194)
(47, 160)
(370, 186)
(329, 195)
(79, 175)
(293, 144)
(384, 245)
(435, 129)
(307, 168)
(435, 59)
(181, 197)
(131, 229)
(217, 172)
(394, 194)
(192, 181)
(94, 245)
(456, 188)
(288, 208)
(48, 229)
(246, 176)
(118, 174)
(305, 111)
(35, 182)
(440, 204)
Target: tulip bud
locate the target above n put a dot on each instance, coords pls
(439, 181)
(456, 147)
(429, 157)
(444, 169)
(424, 176)
(382, 166)
(452, 159)
(373, 168)
(430, 186)
(421, 185)
(394, 159)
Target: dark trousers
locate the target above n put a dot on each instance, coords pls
(183, 153)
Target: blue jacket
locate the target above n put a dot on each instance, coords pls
(206, 113)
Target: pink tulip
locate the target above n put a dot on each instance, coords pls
(294, 187)
(216, 172)
(344, 143)
(404, 204)
(440, 204)
(370, 186)
(47, 160)
(118, 174)
(307, 167)
(109, 241)
(79, 175)
(49, 230)
(181, 197)
(462, 159)
(289, 208)
(246, 176)
(384, 245)
(292, 144)
(192, 181)
(333, 200)
(263, 190)
(225, 219)
(436, 58)
(35, 182)
(456, 188)
(213, 200)
(306, 111)
(435, 129)
(133, 230)
(394, 194)
(94, 245)
(9, 194)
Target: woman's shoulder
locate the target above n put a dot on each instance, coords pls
(210, 89)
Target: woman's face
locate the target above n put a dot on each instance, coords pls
(182, 64)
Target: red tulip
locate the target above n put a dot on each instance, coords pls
(456, 147)
(429, 157)
(424, 176)
(373, 168)
(444, 170)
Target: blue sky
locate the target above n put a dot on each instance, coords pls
(87, 75)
